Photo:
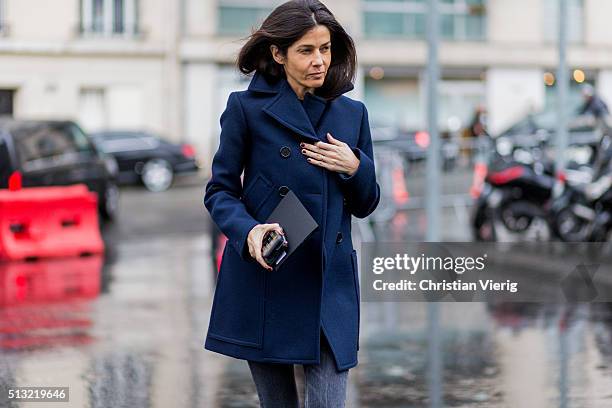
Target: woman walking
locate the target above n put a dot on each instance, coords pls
(292, 130)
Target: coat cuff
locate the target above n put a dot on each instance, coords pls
(364, 170)
(241, 241)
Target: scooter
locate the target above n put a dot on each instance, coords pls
(582, 213)
(514, 193)
(581, 209)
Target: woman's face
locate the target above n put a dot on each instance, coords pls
(307, 59)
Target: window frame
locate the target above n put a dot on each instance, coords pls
(4, 27)
(408, 8)
(130, 18)
(264, 7)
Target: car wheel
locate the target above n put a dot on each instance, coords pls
(110, 204)
(157, 175)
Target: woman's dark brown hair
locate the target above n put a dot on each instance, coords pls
(287, 24)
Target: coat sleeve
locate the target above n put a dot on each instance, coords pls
(223, 190)
(361, 189)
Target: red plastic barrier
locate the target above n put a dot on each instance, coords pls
(49, 222)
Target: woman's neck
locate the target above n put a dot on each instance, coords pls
(299, 90)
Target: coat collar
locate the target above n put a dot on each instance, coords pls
(287, 109)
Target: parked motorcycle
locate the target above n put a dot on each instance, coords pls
(581, 210)
(517, 189)
(520, 184)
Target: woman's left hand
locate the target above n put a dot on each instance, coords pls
(335, 155)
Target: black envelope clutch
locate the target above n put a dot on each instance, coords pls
(297, 225)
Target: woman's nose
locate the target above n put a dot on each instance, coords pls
(318, 59)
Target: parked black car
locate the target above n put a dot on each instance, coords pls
(57, 152)
(413, 144)
(147, 158)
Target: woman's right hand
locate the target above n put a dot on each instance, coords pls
(255, 240)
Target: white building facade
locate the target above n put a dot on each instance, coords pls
(167, 66)
(106, 63)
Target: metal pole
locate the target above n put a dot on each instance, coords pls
(563, 358)
(562, 90)
(434, 355)
(433, 153)
(434, 377)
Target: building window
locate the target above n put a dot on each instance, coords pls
(397, 102)
(394, 102)
(3, 24)
(109, 17)
(463, 20)
(460, 20)
(93, 114)
(7, 96)
(238, 17)
(575, 19)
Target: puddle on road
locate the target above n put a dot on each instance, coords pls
(131, 334)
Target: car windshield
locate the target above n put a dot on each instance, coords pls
(48, 140)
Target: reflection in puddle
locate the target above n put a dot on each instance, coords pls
(524, 355)
(46, 303)
(120, 379)
(395, 371)
(140, 342)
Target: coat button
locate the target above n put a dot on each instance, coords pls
(285, 151)
(283, 190)
(339, 238)
(344, 201)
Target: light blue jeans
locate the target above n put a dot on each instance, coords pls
(325, 387)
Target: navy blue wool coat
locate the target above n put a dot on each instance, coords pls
(278, 316)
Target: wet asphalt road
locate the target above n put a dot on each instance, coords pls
(127, 330)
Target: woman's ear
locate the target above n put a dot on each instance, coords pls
(277, 55)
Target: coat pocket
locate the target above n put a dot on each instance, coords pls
(256, 193)
(237, 314)
(357, 294)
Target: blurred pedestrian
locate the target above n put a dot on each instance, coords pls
(292, 130)
(593, 104)
(478, 124)
(475, 130)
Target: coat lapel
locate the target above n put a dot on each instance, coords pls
(287, 109)
(315, 107)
